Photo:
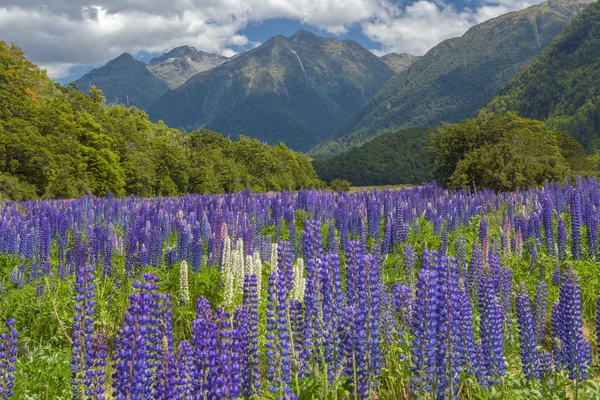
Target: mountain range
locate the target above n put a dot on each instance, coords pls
(325, 95)
(458, 76)
(296, 89)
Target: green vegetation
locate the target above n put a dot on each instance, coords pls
(340, 185)
(58, 142)
(561, 86)
(398, 157)
(458, 76)
(503, 152)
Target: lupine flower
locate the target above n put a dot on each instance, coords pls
(575, 209)
(423, 346)
(184, 287)
(251, 382)
(138, 345)
(562, 238)
(83, 335)
(546, 367)
(491, 327)
(529, 355)
(539, 311)
(576, 356)
(8, 359)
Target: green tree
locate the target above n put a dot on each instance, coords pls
(501, 152)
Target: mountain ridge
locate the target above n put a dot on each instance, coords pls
(296, 89)
(458, 76)
(560, 86)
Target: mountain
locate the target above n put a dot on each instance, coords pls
(181, 63)
(562, 85)
(296, 89)
(399, 62)
(125, 80)
(392, 158)
(458, 76)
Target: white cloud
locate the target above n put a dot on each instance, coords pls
(60, 34)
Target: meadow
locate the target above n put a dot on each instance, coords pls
(412, 293)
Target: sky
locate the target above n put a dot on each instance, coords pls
(70, 37)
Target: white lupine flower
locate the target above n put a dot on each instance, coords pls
(238, 267)
(184, 288)
(273, 261)
(257, 270)
(227, 272)
(299, 286)
(226, 255)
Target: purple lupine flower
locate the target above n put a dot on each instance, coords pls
(83, 335)
(505, 237)
(423, 346)
(461, 257)
(386, 243)
(547, 211)
(251, 380)
(529, 355)
(138, 345)
(410, 261)
(575, 210)
(546, 365)
(185, 371)
(491, 327)
(278, 341)
(475, 271)
(576, 357)
(448, 338)
(313, 254)
(562, 238)
(374, 295)
(8, 359)
(539, 310)
(403, 306)
(444, 240)
(483, 229)
(204, 344)
(96, 368)
(224, 381)
(466, 358)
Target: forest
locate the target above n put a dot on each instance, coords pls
(56, 142)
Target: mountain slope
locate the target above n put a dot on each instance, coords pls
(562, 85)
(125, 80)
(393, 158)
(399, 62)
(297, 90)
(459, 75)
(181, 63)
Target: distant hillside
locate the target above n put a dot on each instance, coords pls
(58, 142)
(459, 75)
(297, 90)
(399, 62)
(393, 158)
(125, 80)
(181, 63)
(562, 85)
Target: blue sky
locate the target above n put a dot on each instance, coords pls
(70, 37)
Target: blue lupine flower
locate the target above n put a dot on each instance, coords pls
(529, 355)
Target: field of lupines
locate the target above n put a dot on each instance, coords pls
(417, 293)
